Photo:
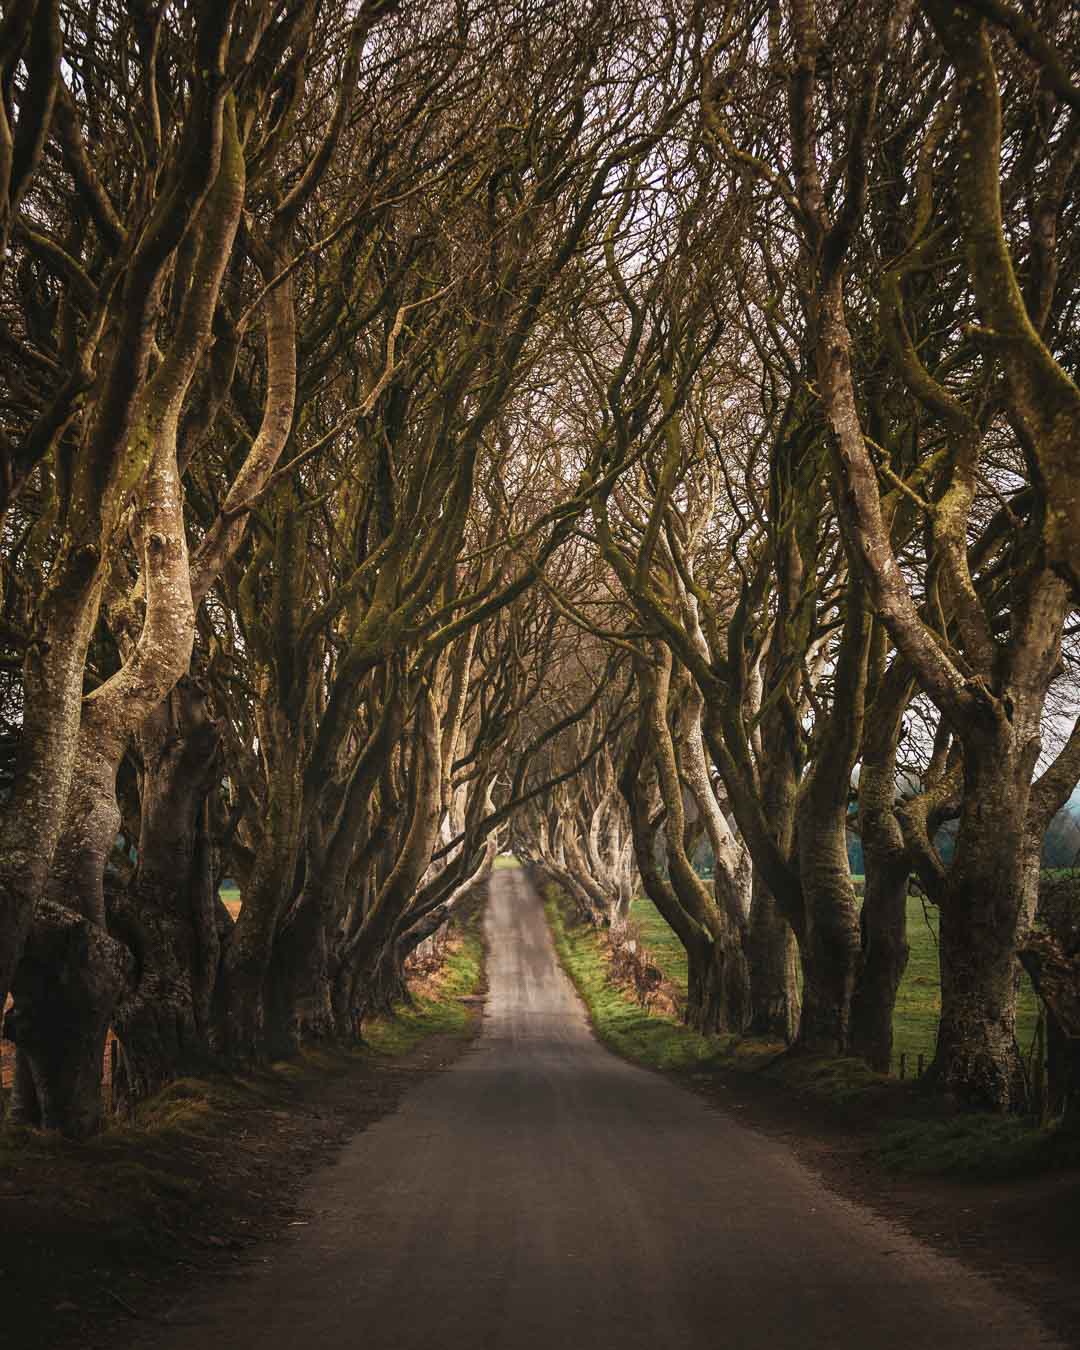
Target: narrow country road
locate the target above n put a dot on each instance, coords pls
(544, 1195)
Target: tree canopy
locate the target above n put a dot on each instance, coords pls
(611, 430)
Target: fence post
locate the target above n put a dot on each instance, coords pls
(903, 1063)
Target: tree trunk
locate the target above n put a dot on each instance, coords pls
(887, 860)
(63, 1010)
(771, 958)
(247, 964)
(369, 944)
(1055, 973)
(384, 988)
(60, 1024)
(343, 1002)
(977, 1057)
(718, 991)
(884, 956)
(299, 989)
(32, 820)
(169, 916)
(830, 945)
(985, 904)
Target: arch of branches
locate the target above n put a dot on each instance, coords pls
(604, 430)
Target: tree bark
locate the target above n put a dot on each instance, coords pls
(977, 1057)
(830, 945)
(771, 955)
(1055, 973)
(887, 865)
(60, 1025)
(367, 949)
(299, 1007)
(716, 1000)
(883, 957)
(248, 958)
(169, 915)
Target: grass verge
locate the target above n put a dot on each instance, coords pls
(975, 1147)
(907, 1129)
(649, 1038)
(437, 1006)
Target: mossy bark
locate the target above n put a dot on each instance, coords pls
(170, 915)
(60, 1024)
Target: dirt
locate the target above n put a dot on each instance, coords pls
(101, 1240)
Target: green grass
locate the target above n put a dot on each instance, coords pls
(975, 1148)
(621, 1023)
(918, 1000)
(441, 1010)
(911, 1132)
(506, 860)
(918, 1003)
(664, 947)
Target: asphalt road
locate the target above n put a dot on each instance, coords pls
(544, 1195)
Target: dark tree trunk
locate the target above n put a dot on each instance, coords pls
(771, 958)
(888, 860)
(25, 1108)
(829, 946)
(1053, 962)
(718, 987)
(983, 905)
(1070, 1086)
(1062, 1074)
(67, 982)
(977, 1057)
(299, 987)
(343, 1002)
(72, 970)
(384, 987)
(32, 820)
(884, 957)
(170, 914)
(247, 963)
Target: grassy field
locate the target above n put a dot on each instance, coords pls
(667, 951)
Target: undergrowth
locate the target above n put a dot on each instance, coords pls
(976, 1147)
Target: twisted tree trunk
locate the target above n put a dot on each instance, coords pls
(170, 914)
(59, 1026)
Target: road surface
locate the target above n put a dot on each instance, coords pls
(544, 1195)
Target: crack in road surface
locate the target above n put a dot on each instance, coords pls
(544, 1195)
